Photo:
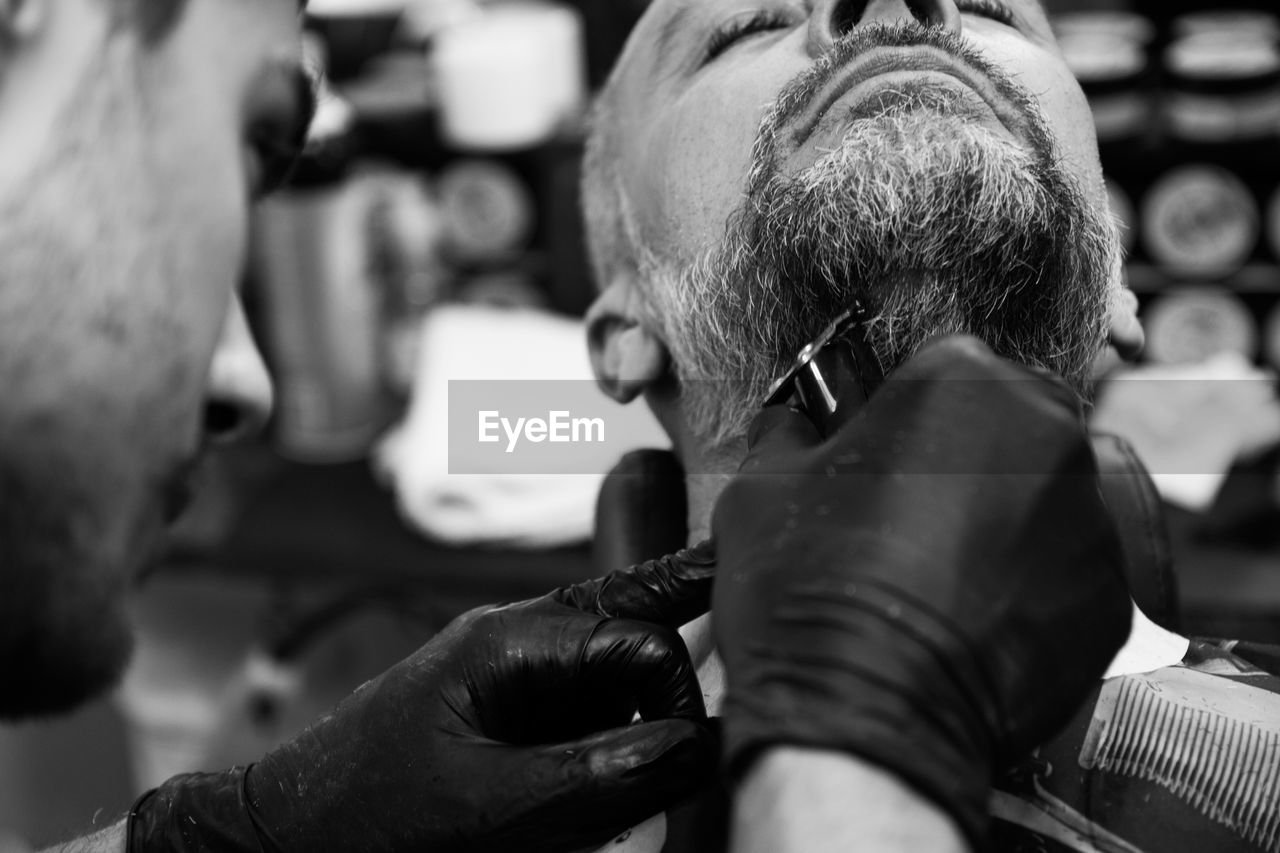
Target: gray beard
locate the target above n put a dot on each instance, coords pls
(934, 222)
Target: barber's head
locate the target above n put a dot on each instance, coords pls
(754, 164)
(133, 136)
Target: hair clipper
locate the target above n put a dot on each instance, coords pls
(834, 375)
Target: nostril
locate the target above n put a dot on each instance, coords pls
(928, 13)
(222, 420)
(846, 17)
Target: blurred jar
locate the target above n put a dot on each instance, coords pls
(1249, 23)
(320, 306)
(510, 77)
(1223, 78)
(1203, 217)
(1189, 325)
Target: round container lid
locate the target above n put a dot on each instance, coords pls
(486, 209)
(1223, 56)
(1200, 220)
(1094, 57)
(1232, 21)
(1125, 25)
(354, 8)
(1192, 324)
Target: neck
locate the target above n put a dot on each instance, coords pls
(702, 491)
(711, 473)
(707, 472)
(1149, 646)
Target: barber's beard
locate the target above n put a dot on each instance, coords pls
(935, 222)
(73, 521)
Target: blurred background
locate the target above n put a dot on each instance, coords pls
(432, 233)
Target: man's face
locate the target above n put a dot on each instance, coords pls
(126, 178)
(782, 156)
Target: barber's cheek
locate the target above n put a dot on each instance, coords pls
(239, 394)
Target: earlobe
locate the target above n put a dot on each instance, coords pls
(1125, 329)
(626, 355)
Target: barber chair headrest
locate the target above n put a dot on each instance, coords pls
(642, 514)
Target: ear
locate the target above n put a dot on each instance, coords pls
(21, 19)
(627, 356)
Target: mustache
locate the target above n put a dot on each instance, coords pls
(800, 95)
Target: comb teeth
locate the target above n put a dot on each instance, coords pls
(1227, 769)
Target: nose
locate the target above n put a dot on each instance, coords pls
(239, 395)
(835, 18)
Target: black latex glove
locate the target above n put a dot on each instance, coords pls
(508, 731)
(933, 588)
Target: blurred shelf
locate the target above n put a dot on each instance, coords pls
(269, 518)
(1252, 278)
(1228, 561)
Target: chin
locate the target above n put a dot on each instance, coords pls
(52, 669)
(45, 679)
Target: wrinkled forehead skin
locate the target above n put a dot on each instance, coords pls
(682, 131)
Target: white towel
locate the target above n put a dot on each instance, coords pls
(511, 509)
(1189, 423)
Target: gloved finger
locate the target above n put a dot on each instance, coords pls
(647, 664)
(964, 358)
(961, 375)
(953, 357)
(672, 590)
(610, 781)
(777, 431)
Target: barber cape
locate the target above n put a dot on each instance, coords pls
(1163, 757)
(1183, 759)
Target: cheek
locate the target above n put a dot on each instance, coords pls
(1065, 108)
(693, 168)
(1072, 125)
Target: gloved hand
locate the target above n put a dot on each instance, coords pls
(508, 731)
(934, 588)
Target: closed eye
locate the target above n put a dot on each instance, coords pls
(741, 28)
